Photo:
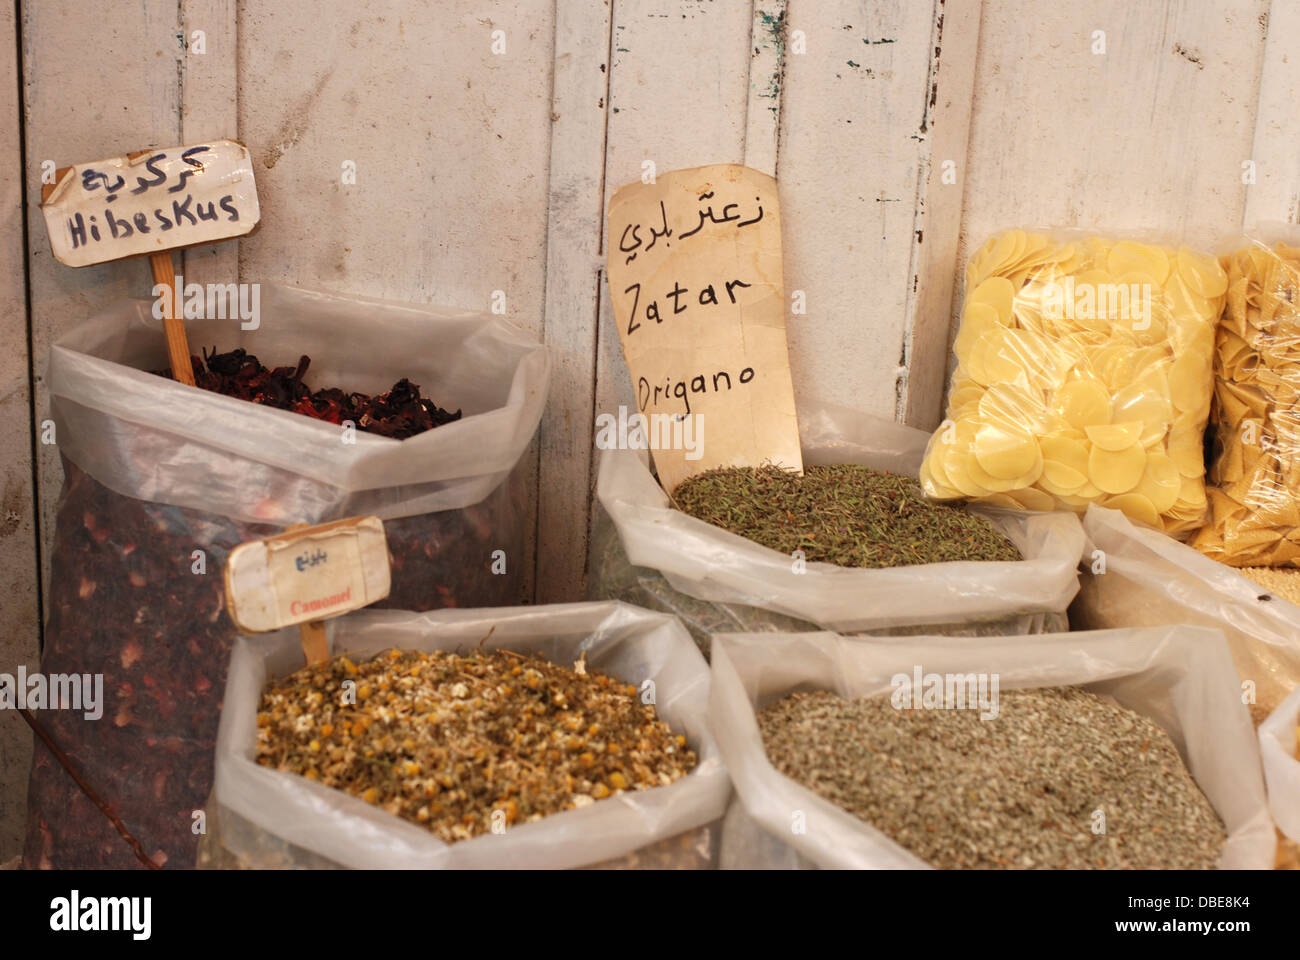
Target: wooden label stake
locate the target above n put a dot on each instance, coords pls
(306, 575)
(147, 204)
(178, 347)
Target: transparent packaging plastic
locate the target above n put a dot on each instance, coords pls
(652, 553)
(274, 819)
(162, 480)
(1280, 751)
(1144, 578)
(1255, 474)
(1178, 676)
(1083, 376)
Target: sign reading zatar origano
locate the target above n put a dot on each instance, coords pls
(696, 283)
(150, 201)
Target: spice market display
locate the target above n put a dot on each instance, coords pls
(308, 572)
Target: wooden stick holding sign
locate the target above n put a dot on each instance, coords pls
(149, 203)
(695, 279)
(307, 575)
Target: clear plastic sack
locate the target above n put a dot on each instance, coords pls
(1143, 578)
(1278, 747)
(1083, 376)
(1177, 676)
(274, 819)
(653, 554)
(1255, 474)
(163, 480)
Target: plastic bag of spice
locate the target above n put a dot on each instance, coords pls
(717, 581)
(1142, 578)
(1279, 747)
(1255, 475)
(271, 818)
(1179, 677)
(162, 480)
(1083, 376)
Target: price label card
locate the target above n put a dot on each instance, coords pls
(149, 201)
(311, 573)
(695, 277)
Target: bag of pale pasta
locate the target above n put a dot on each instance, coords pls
(1083, 376)
(1254, 491)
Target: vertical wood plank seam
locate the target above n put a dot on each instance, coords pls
(38, 554)
(588, 517)
(925, 162)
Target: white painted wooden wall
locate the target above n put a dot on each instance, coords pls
(494, 169)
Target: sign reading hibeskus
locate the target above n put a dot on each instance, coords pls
(149, 201)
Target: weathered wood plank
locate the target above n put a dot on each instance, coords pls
(1275, 195)
(854, 138)
(767, 37)
(678, 89)
(209, 111)
(937, 211)
(448, 140)
(20, 601)
(79, 105)
(574, 227)
(1149, 135)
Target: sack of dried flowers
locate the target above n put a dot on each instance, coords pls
(162, 480)
(556, 736)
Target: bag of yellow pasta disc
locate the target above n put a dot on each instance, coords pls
(1255, 475)
(1083, 376)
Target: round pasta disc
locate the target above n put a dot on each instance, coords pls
(997, 293)
(1082, 403)
(1060, 479)
(1005, 453)
(954, 467)
(985, 480)
(977, 319)
(1141, 258)
(1005, 356)
(1202, 274)
(932, 486)
(1187, 451)
(1114, 437)
(1013, 406)
(1186, 303)
(1191, 496)
(1135, 507)
(1116, 471)
(1068, 451)
(1190, 381)
(1147, 401)
(1161, 482)
(1031, 499)
(1001, 500)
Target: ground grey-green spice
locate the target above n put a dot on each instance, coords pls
(1020, 790)
(848, 515)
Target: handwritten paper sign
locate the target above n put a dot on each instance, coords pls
(149, 201)
(311, 573)
(695, 279)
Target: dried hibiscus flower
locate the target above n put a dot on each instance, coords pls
(399, 413)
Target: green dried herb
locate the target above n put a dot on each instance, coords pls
(848, 515)
(1060, 779)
